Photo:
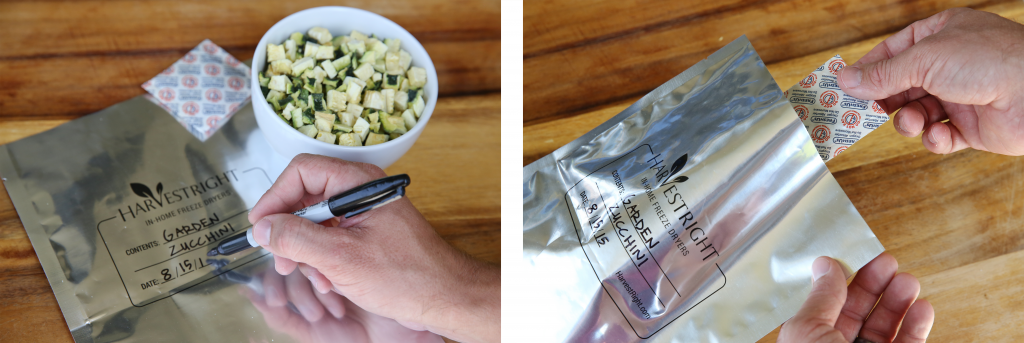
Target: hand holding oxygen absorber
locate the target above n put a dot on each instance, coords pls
(366, 197)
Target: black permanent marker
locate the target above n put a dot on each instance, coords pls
(366, 197)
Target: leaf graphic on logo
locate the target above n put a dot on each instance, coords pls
(141, 190)
(676, 167)
(159, 188)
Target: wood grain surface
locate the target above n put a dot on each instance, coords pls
(65, 59)
(954, 221)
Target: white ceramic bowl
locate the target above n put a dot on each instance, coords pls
(340, 21)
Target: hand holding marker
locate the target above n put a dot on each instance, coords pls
(366, 197)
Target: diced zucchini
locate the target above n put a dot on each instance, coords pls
(401, 99)
(339, 41)
(291, 50)
(324, 121)
(376, 138)
(354, 92)
(264, 80)
(417, 106)
(392, 123)
(310, 49)
(318, 102)
(282, 67)
(394, 44)
(287, 112)
(405, 85)
(349, 139)
(307, 117)
(356, 46)
(348, 99)
(336, 100)
(292, 88)
(308, 130)
(417, 77)
(355, 110)
(328, 68)
(410, 119)
(297, 38)
(342, 62)
(325, 52)
(278, 83)
(302, 65)
(297, 118)
(389, 100)
(374, 100)
(342, 127)
(331, 84)
(358, 35)
(393, 81)
(275, 52)
(322, 35)
(274, 95)
(362, 128)
(404, 60)
(326, 137)
(391, 64)
(348, 119)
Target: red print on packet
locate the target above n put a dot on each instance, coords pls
(189, 81)
(809, 81)
(235, 83)
(801, 111)
(231, 61)
(877, 108)
(214, 95)
(190, 108)
(168, 71)
(189, 58)
(851, 119)
(166, 94)
(839, 150)
(829, 99)
(820, 134)
(210, 48)
(211, 69)
(835, 66)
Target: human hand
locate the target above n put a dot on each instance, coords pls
(963, 65)
(835, 312)
(389, 261)
(323, 317)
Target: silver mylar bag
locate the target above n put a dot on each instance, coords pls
(692, 216)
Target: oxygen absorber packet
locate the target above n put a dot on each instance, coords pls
(202, 89)
(834, 119)
(692, 216)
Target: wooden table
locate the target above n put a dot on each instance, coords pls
(954, 221)
(63, 60)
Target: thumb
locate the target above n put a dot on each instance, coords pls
(298, 239)
(883, 79)
(817, 317)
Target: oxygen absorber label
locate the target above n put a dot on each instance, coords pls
(648, 248)
(834, 119)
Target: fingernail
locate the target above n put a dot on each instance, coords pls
(851, 76)
(261, 232)
(901, 124)
(931, 137)
(820, 267)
